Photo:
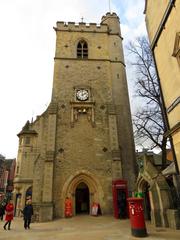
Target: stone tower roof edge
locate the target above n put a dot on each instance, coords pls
(109, 14)
(65, 26)
(26, 129)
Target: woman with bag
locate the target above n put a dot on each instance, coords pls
(9, 214)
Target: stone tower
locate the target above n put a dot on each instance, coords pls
(83, 141)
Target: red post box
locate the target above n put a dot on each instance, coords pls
(136, 214)
(120, 205)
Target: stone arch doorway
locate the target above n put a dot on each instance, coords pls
(86, 181)
(159, 192)
(144, 187)
(82, 199)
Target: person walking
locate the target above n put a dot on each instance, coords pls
(9, 210)
(28, 212)
(2, 211)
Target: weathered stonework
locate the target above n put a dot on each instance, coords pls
(80, 143)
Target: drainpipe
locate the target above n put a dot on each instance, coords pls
(165, 117)
(162, 23)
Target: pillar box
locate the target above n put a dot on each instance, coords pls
(136, 214)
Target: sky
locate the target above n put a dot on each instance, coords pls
(27, 48)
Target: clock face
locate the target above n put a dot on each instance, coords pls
(82, 94)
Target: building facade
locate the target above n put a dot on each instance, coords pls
(84, 140)
(7, 171)
(2, 169)
(162, 18)
(162, 21)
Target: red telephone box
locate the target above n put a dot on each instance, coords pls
(120, 194)
(136, 214)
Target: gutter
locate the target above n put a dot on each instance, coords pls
(145, 8)
(163, 22)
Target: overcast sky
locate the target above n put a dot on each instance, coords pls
(27, 48)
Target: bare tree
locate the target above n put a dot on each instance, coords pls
(148, 121)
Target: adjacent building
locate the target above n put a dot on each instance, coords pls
(2, 169)
(7, 170)
(162, 21)
(162, 189)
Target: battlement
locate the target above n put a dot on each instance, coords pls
(82, 26)
(109, 15)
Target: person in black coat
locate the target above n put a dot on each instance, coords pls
(2, 211)
(27, 212)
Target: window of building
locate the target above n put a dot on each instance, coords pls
(27, 140)
(82, 49)
(17, 170)
(178, 57)
(176, 51)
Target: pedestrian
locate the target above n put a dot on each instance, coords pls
(9, 210)
(2, 211)
(28, 212)
(68, 207)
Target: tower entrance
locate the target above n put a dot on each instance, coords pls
(84, 189)
(82, 199)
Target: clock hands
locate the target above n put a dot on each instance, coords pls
(82, 94)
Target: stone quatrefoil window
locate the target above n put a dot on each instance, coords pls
(82, 50)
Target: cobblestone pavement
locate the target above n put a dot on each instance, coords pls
(83, 228)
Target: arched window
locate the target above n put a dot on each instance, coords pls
(82, 49)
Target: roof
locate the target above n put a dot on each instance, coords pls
(26, 130)
(169, 170)
(155, 158)
(145, 7)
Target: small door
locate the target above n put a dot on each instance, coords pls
(147, 206)
(120, 193)
(121, 203)
(82, 199)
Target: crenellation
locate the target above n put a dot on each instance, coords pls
(82, 26)
(112, 20)
(108, 14)
(71, 25)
